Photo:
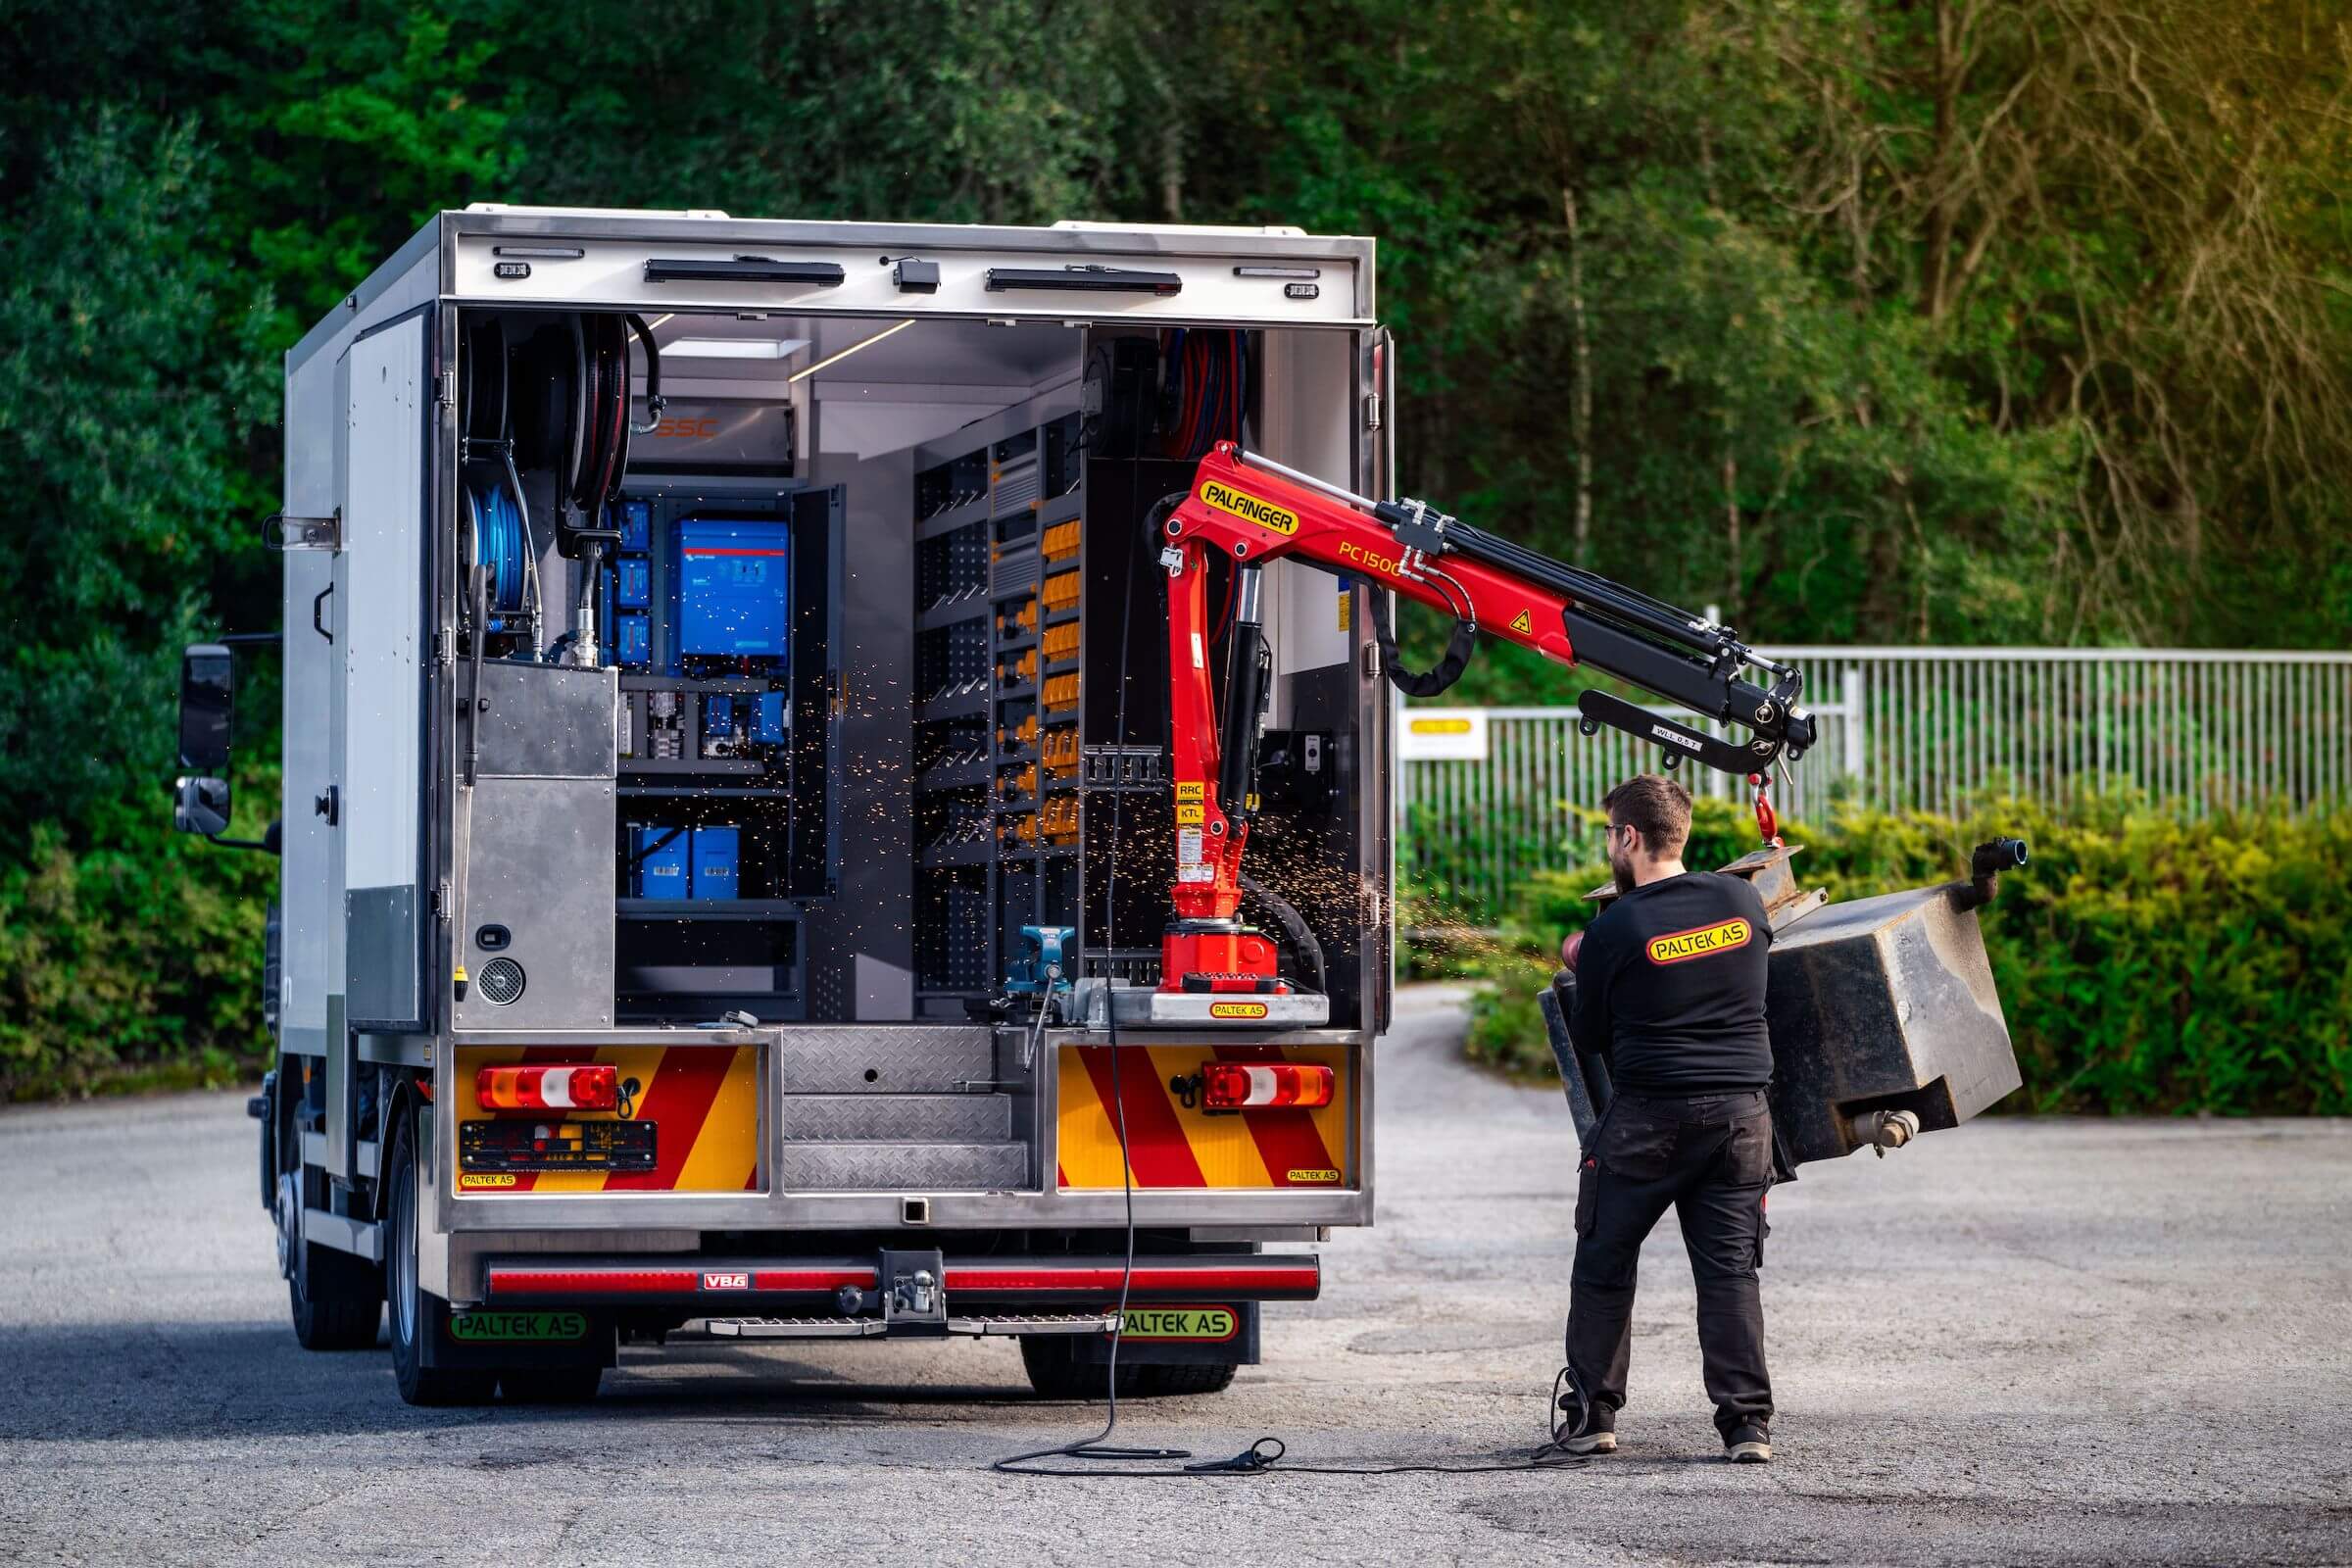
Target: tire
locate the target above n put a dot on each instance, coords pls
(1195, 1377)
(336, 1300)
(269, 1142)
(550, 1384)
(414, 1314)
(1055, 1372)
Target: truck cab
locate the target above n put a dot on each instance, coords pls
(725, 737)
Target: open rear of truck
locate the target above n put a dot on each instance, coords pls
(686, 788)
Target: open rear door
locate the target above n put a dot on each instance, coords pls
(381, 583)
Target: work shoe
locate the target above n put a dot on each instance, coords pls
(1597, 1434)
(1749, 1443)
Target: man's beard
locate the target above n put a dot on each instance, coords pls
(1621, 868)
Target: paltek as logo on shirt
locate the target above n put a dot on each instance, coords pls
(1698, 942)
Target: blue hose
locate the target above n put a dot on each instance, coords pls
(499, 543)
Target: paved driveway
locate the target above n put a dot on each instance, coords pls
(2020, 1342)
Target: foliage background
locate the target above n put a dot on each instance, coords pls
(2143, 964)
(1868, 319)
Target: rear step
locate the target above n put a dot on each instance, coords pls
(903, 1166)
(882, 1108)
(887, 1060)
(896, 1118)
(860, 1328)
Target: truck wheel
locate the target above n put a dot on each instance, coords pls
(269, 1133)
(415, 1316)
(335, 1299)
(550, 1384)
(1197, 1376)
(1055, 1372)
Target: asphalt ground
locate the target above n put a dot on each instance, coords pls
(2022, 1342)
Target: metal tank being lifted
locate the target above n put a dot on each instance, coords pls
(1884, 1017)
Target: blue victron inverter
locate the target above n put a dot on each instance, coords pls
(734, 588)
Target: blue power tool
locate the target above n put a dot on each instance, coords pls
(1041, 972)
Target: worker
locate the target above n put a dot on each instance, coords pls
(1670, 994)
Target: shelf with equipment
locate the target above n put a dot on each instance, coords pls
(990, 523)
(720, 609)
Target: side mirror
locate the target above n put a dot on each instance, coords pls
(208, 693)
(201, 806)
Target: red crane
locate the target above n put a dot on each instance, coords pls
(1252, 511)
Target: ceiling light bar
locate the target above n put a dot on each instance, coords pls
(836, 359)
(734, 348)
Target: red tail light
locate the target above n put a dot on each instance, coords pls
(584, 1088)
(1250, 1086)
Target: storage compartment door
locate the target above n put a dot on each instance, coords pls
(820, 694)
(382, 821)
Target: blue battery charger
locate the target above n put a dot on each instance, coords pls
(715, 863)
(664, 862)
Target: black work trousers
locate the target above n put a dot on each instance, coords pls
(1709, 1156)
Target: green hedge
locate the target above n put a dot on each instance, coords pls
(134, 965)
(2146, 964)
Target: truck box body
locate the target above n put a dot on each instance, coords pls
(768, 752)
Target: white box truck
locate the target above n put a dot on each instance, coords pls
(724, 706)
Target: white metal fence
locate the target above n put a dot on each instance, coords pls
(1926, 728)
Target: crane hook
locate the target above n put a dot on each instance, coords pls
(1768, 821)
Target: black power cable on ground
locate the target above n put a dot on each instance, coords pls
(1099, 1446)
(1267, 1455)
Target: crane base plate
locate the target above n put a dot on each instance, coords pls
(1144, 1007)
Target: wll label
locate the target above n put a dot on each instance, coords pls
(1188, 867)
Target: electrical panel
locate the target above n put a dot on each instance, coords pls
(734, 591)
(722, 612)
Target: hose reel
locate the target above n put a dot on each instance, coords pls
(500, 541)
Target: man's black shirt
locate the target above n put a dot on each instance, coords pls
(1669, 986)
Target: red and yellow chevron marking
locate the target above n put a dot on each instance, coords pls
(1169, 1146)
(702, 1100)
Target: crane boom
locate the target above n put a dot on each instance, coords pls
(1252, 511)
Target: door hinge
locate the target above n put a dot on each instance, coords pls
(1371, 410)
(282, 531)
(441, 901)
(447, 393)
(445, 647)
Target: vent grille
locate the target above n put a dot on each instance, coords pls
(500, 982)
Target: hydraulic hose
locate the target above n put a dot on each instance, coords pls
(1292, 924)
(654, 401)
(1426, 683)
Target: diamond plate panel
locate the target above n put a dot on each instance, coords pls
(896, 1118)
(903, 1167)
(884, 1058)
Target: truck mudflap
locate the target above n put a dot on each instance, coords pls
(893, 1287)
